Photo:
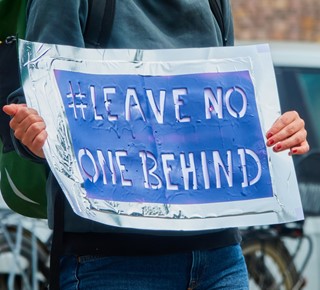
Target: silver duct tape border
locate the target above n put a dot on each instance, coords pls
(38, 61)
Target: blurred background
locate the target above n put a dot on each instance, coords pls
(278, 257)
(294, 20)
(292, 27)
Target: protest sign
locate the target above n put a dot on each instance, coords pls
(163, 139)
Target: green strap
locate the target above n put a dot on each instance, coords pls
(12, 18)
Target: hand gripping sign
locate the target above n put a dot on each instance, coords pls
(163, 139)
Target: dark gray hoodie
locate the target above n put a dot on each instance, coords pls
(143, 24)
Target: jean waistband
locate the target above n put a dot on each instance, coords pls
(114, 244)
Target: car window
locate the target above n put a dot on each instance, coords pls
(310, 86)
(299, 89)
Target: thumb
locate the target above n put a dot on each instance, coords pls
(12, 109)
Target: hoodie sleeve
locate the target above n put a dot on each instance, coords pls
(59, 22)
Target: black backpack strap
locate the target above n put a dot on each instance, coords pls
(217, 10)
(10, 81)
(99, 22)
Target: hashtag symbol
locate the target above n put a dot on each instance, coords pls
(77, 101)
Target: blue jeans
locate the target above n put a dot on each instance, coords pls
(222, 268)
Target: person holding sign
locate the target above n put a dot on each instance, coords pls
(96, 256)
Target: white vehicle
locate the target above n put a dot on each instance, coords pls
(279, 257)
(298, 77)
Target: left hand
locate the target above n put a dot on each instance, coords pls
(288, 132)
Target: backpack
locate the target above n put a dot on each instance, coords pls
(12, 17)
(22, 182)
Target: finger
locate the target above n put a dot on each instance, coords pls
(23, 119)
(10, 109)
(302, 149)
(21, 113)
(286, 132)
(36, 144)
(283, 121)
(40, 139)
(31, 133)
(293, 141)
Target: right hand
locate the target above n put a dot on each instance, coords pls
(28, 127)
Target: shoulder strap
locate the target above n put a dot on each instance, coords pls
(217, 10)
(99, 22)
